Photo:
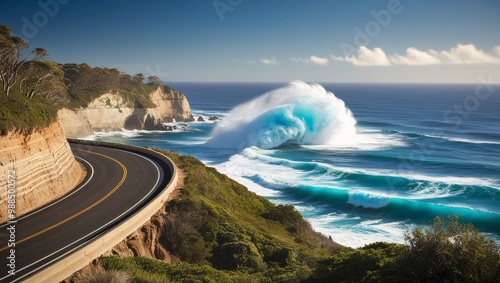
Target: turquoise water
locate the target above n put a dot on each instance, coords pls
(361, 162)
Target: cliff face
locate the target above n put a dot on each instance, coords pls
(170, 104)
(110, 112)
(146, 241)
(42, 166)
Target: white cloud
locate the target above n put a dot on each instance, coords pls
(459, 54)
(465, 54)
(270, 61)
(313, 59)
(497, 51)
(415, 57)
(366, 57)
(318, 60)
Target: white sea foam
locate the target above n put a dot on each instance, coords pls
(123, 133)
(278, 176)
(462, 140)
(349, 231)
(254, 187)
(472, 141)
(130, 134)
(450, 180)
(365, 140)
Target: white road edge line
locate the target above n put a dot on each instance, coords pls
(82, 244)
(59, 200)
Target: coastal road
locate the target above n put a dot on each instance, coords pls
(118, 183)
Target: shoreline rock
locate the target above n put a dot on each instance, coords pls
(107, 113)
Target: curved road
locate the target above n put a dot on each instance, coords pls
(118, 183)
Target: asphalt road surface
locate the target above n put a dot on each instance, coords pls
(118, 183)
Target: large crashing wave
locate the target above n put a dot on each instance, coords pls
(300, 113)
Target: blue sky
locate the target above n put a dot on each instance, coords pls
(269, 40)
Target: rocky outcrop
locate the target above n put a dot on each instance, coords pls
(152, 124)
(39, 167)
(170, 105)
(146, 241)
(110, 112)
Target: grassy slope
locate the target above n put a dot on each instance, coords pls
(222, 231)
(23, 114)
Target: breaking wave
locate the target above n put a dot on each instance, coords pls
(300, 113)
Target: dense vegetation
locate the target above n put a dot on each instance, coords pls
(33, 88)
(224, 233)
(25, 114)
(447, 251)
(85, 83)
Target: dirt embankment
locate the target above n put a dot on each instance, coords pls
(35, 169)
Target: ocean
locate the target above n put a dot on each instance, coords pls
(361, 162)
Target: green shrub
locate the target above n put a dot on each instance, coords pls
(450, 251)
(236, 256)
(97, 274)
(372, 263)
(150, 270)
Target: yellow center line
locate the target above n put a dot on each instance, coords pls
(82, 211)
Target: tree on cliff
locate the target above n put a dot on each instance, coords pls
(12, 51)
(138, 79)
(44, 79)
(155, 80)
(17, 62)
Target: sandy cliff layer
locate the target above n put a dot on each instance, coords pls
(109, 112)
(44, 169)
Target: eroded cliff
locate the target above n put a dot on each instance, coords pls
(112, 112)
(39, 166)
(146, 241)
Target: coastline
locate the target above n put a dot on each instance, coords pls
(328, 186)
